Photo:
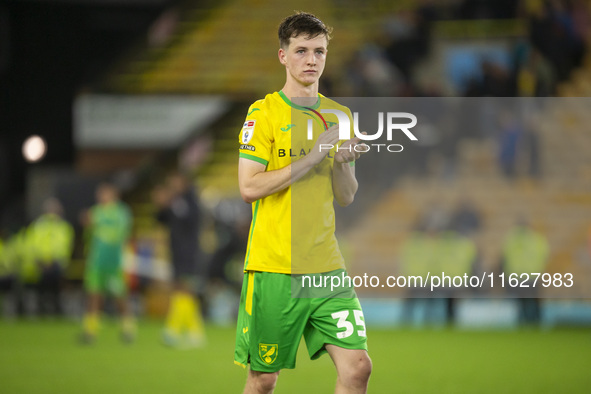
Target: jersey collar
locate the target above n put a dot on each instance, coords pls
(288, 102)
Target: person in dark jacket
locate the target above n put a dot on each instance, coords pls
(178, 209)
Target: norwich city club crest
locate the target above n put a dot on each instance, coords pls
(268, 353)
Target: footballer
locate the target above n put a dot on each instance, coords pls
(292, 185)
(109, 225)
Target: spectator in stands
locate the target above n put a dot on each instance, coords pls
(380, 77)
(496, 80)
(448, 145)
(179, 210)
(429, 137)
(510, 137)
(52, 240)
(534, 74)
(525, 251)
(466, 219)
(434, 219)
(532, 145)
(408, 34)
(555, 30)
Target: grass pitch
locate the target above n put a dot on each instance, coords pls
(44, 357)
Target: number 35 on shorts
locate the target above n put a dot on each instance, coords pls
(345, 324)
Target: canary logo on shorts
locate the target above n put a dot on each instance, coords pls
(268, 352)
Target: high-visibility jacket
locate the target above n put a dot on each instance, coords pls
(5, 262)
(52, 239)
(525, 251)
(24, 257)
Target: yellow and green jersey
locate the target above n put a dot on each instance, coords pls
(292, 231)
(109, 230)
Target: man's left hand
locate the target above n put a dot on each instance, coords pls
(351, 150)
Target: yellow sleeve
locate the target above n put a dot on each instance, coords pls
(255, 138)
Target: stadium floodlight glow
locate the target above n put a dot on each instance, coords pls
(34, 149)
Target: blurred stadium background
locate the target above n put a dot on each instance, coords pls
(130, 90)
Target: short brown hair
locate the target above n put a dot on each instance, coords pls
(301, 23)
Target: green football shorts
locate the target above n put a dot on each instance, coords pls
(101, 281)
(271, 323)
